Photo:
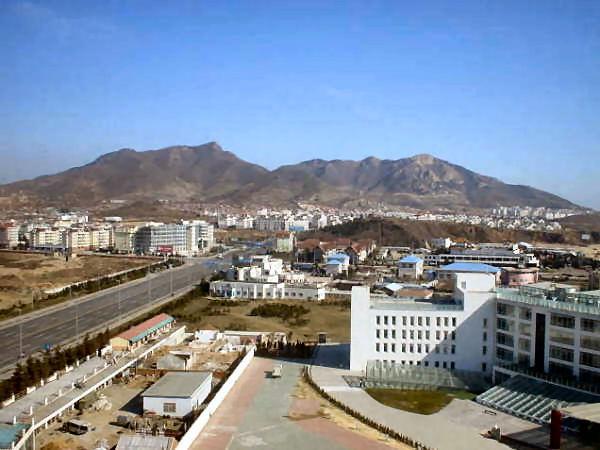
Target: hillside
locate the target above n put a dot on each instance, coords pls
(207, 173)
(415, 234)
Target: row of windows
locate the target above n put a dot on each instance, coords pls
(420, 321)
(426, 363)
(410, 348)
(439, 335)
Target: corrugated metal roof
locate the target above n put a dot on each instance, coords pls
(177, 384)
(139, 332)
(470, 267)
(10, 433)
(145, 442)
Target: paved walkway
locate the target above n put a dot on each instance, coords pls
(263, 412)
(434, 430)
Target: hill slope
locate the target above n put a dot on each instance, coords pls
(209, 173)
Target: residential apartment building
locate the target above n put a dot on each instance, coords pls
(9, 235)
(170, 238)
(124, 238)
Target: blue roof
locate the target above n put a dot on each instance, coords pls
(411, 259)
(10, 433)
(470, 267)
(338, 256)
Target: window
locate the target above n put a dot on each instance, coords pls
(411, 348)
(561, 336)
(446, 321)
(412, 321)
(393, 334)
(505, 339)
(403, 334)
(505, 310)
(452, 364)
(385, 347)
(437, 335)
(393, 348)
(454, 321)
(590, 325)
(378, 320)
(445, 365)
(419, 335)
(504, 354)
(426, 363)
(377, 333)
(385, 320)
(385, 334)
(484, 322)
(403, 348)
(454, 335)
(437, 364)
(559, 320)
(393, 320)
(404, 320)
(377, 347)
(589, 359)
(438, 321)
(524, 344)
(437, 348)
(591, 343)
(426, 348)
(484, 350)
(483, 367)
(525, 329)
(485, 336)
(427, 321)
(524, 313)
(412, 334)
(420, 321)
(418, 348)
(427, 334)
(506, 325)
(169, 407)
(453, 349)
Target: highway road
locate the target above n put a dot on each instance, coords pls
(77, 317)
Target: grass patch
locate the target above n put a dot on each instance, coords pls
(417, 401)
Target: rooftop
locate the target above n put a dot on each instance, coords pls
(415, 304)
(145, 442)
(470, 267)
(140, 331)
(411, 259)
(177, 384)
(569, 301)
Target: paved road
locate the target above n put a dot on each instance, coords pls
(79, 316)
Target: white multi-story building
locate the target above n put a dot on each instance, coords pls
(48, 237)
(9, 235)
(551, 328)
(452, 333)
(124, 238)
(540, 328)
(167, 238)
(410, 267)
(199, 237)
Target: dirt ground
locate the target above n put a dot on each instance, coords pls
(591, 251)
(23, 275)
(326, 317)
(125, 401)
(309, 404)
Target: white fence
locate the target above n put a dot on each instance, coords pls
(194, 431)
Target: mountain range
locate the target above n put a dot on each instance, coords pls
(207, 173)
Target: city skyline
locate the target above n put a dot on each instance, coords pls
(510, 92)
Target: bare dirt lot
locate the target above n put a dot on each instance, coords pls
(23, 275)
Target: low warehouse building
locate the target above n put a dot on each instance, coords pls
(140, 334)
(177, 393)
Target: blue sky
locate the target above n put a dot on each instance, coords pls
(508, 89)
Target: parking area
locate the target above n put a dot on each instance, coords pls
(285, 413)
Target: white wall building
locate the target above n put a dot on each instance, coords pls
(452, 334)
(9, 235)
(177, 394)
(410, 267)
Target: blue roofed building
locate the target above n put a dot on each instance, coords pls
(410, 268)
(446, 273)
